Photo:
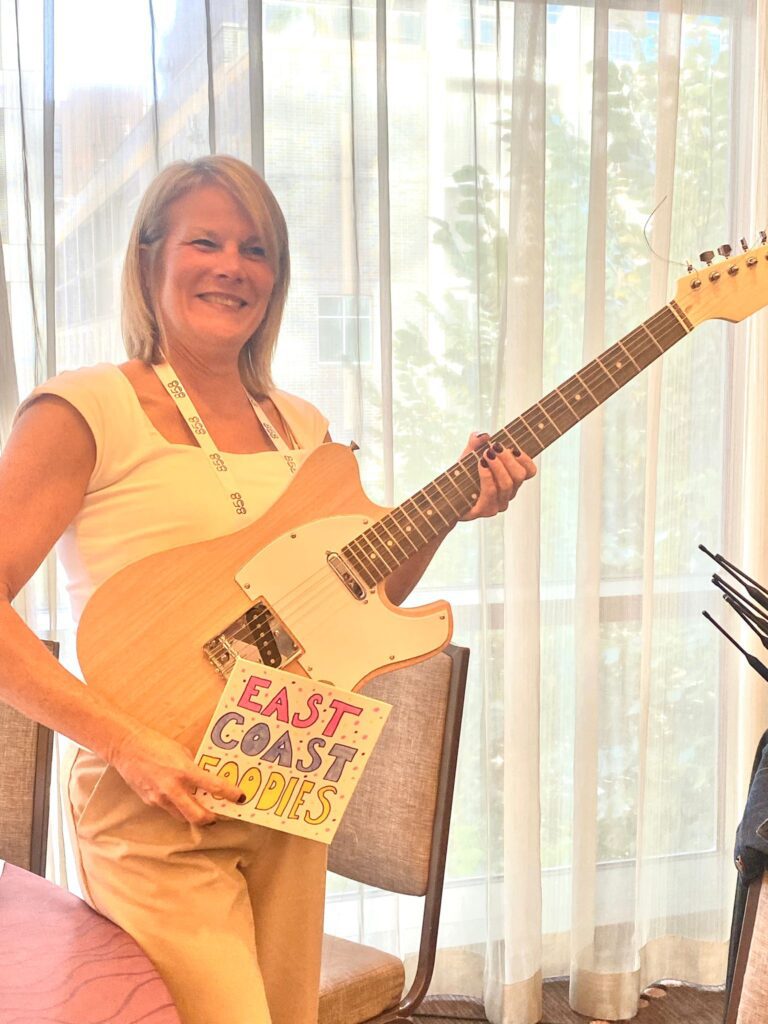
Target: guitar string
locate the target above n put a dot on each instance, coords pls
(309, 588)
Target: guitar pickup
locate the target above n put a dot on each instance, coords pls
(258, 635)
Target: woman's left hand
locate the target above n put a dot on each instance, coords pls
(502, 472)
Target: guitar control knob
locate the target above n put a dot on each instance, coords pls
(725, 250)
(707, 257)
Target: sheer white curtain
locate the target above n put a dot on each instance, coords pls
(467, 186)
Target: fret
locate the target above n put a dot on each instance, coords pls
(649, 332)
(526, 439)
(425, 509)
(434, 503)
(560, 411)
(426, 522)
(388, 543)
(377, 552)
(601, 384)
(468, 476)
(644, 347)
(359, 564)
(410, 525)
(383, 533)
(554, 424)
(442, 483)
(625, 350)
(615, 363)
(542, 431)
(580, 378)
(581, 399)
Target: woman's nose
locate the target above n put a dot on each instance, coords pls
(230, 262)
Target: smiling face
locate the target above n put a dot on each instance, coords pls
(213, 276)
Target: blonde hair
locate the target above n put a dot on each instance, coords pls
(142, 330)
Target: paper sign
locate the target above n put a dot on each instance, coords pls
(296, 747)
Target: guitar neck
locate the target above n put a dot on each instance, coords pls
(388, 543)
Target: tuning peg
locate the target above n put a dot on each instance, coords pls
(744, 244)
(763, 237)
(725, 250)
(707, 257)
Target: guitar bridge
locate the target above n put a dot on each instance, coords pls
(259, 635)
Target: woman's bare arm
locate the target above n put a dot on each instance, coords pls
(44, 472)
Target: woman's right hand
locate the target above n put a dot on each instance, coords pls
(163, 773)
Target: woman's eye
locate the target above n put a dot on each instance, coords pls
(256, 251)
(204, 243)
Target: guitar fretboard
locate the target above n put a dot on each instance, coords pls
(387, 544)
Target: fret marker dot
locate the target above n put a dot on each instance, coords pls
(408, 529)
(578, 398)
(429, 511)
(389, 543)
(541, 426)
(618, 365)
(456, 473)
(373, 554)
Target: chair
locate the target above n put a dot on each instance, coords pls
(394, 836)
(57, 955)
(25, 780)
(748, 996)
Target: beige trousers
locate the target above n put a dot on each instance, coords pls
(230, 914)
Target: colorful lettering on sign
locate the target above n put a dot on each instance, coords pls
(294, 747)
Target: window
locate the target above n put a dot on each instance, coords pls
(344, 328)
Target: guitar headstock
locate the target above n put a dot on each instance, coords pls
(731, 288)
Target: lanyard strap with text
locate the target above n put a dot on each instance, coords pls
(186, 407)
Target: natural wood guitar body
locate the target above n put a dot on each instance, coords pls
(141, 635)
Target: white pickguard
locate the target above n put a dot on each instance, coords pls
(342, 637)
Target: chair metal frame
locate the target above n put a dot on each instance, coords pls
(742, 955)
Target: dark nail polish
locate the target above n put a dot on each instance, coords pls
(242, 798)
(483, 463)
(515, 450)
(498, 448)
(490, 454)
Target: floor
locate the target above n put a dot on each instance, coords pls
(667, 1003)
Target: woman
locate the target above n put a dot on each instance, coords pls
(105, 461)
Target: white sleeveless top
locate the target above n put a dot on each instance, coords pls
(148, 495)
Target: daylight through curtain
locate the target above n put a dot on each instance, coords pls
(469, 186)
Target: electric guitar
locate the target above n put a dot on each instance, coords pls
(302, 587)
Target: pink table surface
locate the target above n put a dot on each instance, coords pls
(62, 963)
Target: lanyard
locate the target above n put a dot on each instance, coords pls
(218, 463)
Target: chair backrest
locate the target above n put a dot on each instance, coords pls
(394, 834)
(25, 779)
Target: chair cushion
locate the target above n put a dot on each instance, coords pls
(357, 982)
